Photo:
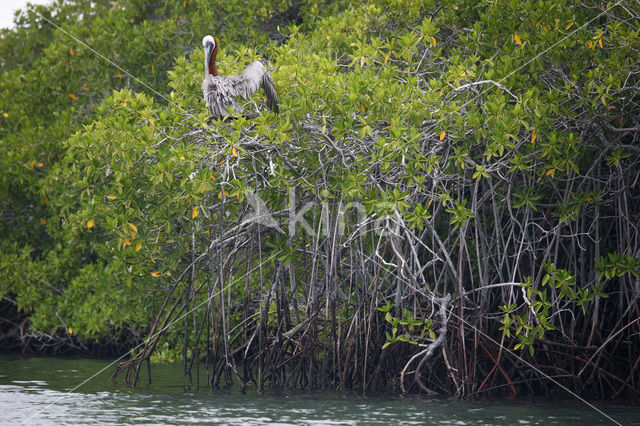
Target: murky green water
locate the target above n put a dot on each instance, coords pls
(38, 391)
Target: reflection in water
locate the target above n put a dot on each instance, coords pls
(35, 391)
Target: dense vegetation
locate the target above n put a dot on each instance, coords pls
(452, 187)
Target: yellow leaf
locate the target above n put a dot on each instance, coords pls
(127, 242)
(434, 43)
(90, 223)
(517, 39)
(71, 52)
(134, 227)
(234, 151)
(590, 44)
(70, 330)
(40, 164)
(194, 212)
(184, 3)
(5, 115)
(495, 43)
(600, 43)
(43, 221)
(386, 58)
(608, 5)
(155, 273)
(220, 195)
(568, 26)
(557, 20)
(111, 197)
(443, 134)
(153, 260)
(73, 97)
(534, 136)
(462, 166)
(32, 163)
(361, 108)
(550, 171)
(138, 245)
(182, 157)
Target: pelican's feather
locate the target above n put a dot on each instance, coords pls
(219, 94)
(220, 91)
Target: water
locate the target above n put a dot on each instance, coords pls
(36, 391)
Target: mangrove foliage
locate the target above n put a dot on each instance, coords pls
(448, 202)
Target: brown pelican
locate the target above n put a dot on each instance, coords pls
(220, 91)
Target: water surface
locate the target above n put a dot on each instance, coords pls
(43, 391)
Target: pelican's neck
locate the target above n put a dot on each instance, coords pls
(212, 61)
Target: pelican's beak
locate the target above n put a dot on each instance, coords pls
(208, 49)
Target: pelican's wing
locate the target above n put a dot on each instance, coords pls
(219, 93)
(248, 82)
(270, 93)
(254, 77)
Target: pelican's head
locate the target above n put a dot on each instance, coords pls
(208, 40)
(209, 43)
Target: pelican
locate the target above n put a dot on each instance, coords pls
(220, 91)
